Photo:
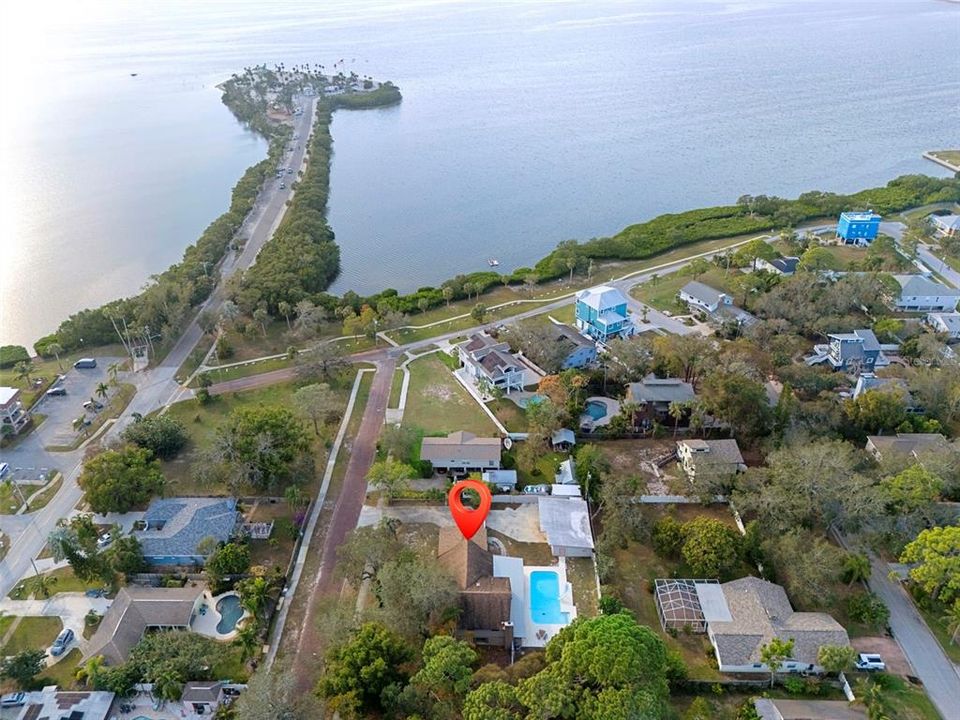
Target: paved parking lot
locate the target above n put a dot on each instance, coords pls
(62, 410)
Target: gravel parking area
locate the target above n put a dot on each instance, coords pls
(888, 649)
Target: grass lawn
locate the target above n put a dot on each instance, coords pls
(437, 403)
(900, 699)
(276, 550)
(662, 294)
(47, 494)
(202, 421)
(951, 156)
(934, 620)
(545, 470)
(229, 666)
(64, 673)
(9, 499)
(580, 573)
(66, 581)
(33, 633)
(395, 387)
(507, 411)
(242, 371)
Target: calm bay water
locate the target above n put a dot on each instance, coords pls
(522, 124)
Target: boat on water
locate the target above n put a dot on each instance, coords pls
(493, 262)
(133, 74)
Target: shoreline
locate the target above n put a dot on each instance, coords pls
(932, 156)
(635, 242)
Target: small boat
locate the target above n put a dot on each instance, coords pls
(133, 74)
(493, 262)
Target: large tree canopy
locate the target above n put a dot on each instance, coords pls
(121, 480)
(263, 444)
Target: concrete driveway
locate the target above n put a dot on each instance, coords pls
(70, 607)
(888, 649)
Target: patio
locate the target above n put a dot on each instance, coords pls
(209, 621)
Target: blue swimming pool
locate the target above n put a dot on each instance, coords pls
(545, 598)
(595, 409)
(230, 613)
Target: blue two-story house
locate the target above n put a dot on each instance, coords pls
(601, 313)
(858, 228)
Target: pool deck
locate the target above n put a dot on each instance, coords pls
(206, 624)
(533, 634)
(613, 409)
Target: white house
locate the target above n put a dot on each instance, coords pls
(712, 457)
(946, 225)
(566, 523)
(785, 266)
(486, 359)
(13, 418)
(920, 294)
(697, 295)
(461, 451)
(947, 323)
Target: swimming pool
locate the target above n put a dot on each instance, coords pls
(545, 598)
(595, 409)
(230, 612)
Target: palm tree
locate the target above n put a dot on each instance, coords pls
(24, 370)
(248, 640)
(86, 674)
(295, 498)
(113, 369)
(167, 685)
(447, 294)
(254, 594)
(103, 390)
(856, 568)
(42, 584)
(676, 411)
(571, 263)
(952, 619)
(56, 349)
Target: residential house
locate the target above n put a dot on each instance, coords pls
(566, 523)
(577, 350)
(698, 295)
(563, 439)
(601, 313)
(784, 709)
(486, 359)
(912, 444)
(920, 294)
(744, 615)
(946, 323)
(858, 228)
(461, 452)
(137, 610)
(202, 696)
(946, 225)
(13, 418)
(484, 599)
(857, 351)
(869, 381)
(175, 527)
(653, 396)
(714, 458)
(784, 266)
(502, 480)
(51, 703)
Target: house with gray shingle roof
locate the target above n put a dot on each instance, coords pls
(756, 611)
(653, 396)
(699, 295)
(487, 359)
(175, 527)
(921, 294)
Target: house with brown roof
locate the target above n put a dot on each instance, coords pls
(484, 599)
(746, 614)
(137, 610)
(487, 359)
(461, 451)
(202, 696)
(52, 703)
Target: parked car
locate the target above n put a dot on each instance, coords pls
(104, 540)
(536, 490)
(282, 185)
(870, 662)
(505, 487)
(88, 405)
(60, 644)
(85, 363)
(4, 470)
(57, 391)
(13, 699)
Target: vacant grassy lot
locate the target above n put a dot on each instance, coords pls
(437, 403)
(662, 294)
(507, 412)
(202, 422)
(64, 581)
(33, 633)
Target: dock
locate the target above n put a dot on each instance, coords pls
(950, 162)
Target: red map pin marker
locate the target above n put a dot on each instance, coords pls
(468, 519)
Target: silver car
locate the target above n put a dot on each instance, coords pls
(536, 489)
